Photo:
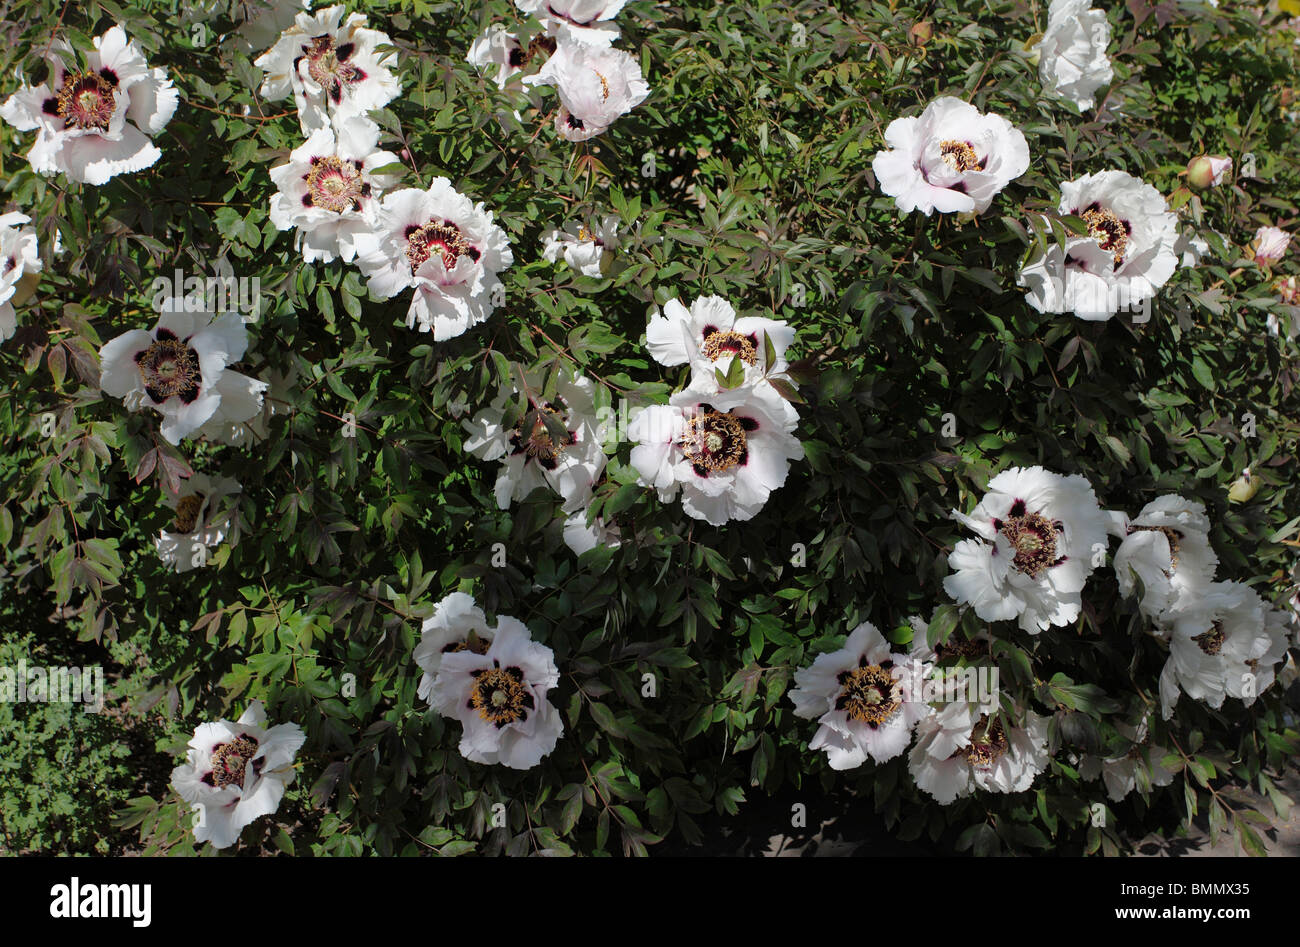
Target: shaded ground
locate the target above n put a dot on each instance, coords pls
(1281, 838)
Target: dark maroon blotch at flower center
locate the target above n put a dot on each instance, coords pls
(85, 100)
(329, 66)
(335, 184)
(169, 368)
(500, 695)
(1034, 538)
(718, 343)
(869, 693)
(521, 56)
(1110, 232)
(442, 237)
(960, 156)
(1211, 642)
(988, 743)
(714, 442)
(229, 761)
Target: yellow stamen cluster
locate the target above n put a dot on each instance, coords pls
(1211, 642)
(230, 759)
(960, 156)
(85, 100)
(713, 440)
(335, 184)
(1108, 230)
(499, 696)
(187, 513)
(718, 344)
(435, 236)
(988, 743)
(870, 694)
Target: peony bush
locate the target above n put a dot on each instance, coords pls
(539, 428)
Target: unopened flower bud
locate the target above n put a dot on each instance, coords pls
(1033, 50)
(1243, 488)
(1207, 171)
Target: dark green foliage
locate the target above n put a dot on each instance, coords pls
(760, 190)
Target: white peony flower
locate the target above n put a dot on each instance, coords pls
(505, 54)
(1269, 245)
(952, 158)
(329, 190)
(1221, 646)
(264, 21)
(236, 772)
(866, 698)
(1072, 62)
(725, 451)
(595, 85)
(180, 370)
(19, 264)
(1128, 254)
(956, 647)
(971, 683)
(711, 338)
(585, 247)
(444, 246)
(264, 399)
(332, 68)
(576, 21)
(500, 698)
(457, 624)
(203, 519)
(1041, 535)
(1168, 548)
(961, 683)
(992, 755)
(95, 123)
(581, 538)
(1141, 768)
(556, 444)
